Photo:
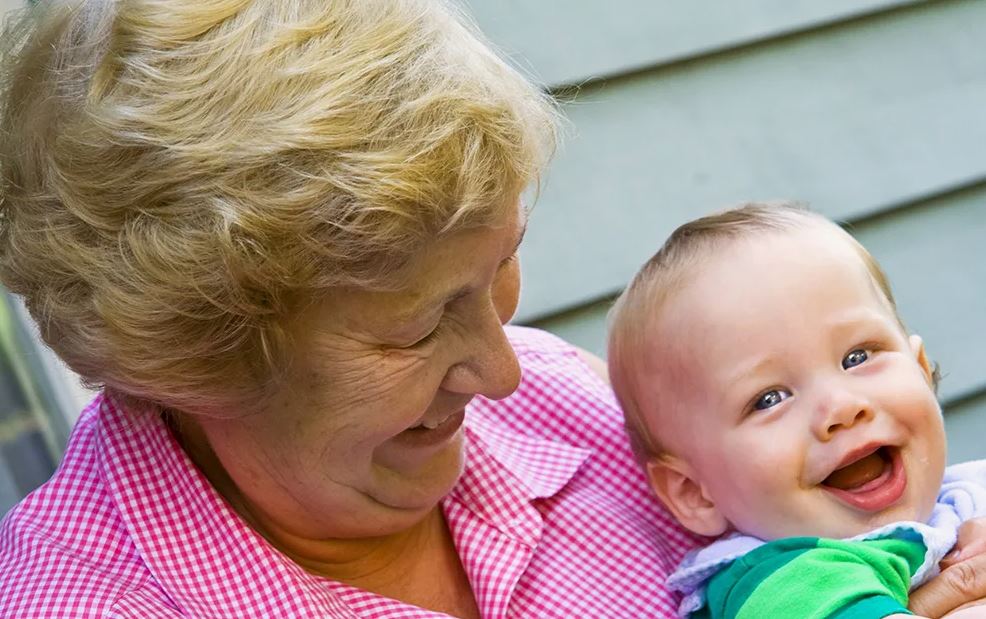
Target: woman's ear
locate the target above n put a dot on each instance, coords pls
(917, 348)
(675, 484)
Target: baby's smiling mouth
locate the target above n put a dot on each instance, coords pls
(872, 482)
(861, 472)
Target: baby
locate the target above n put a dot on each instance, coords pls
(772, 393)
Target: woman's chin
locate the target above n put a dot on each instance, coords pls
(410, 456)
(410, 479)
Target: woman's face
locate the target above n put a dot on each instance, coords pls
(364, 437)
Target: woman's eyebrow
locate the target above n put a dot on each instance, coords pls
(465, 290)
(520, 239)
(458, 293)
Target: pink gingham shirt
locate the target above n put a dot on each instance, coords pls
(551, 518)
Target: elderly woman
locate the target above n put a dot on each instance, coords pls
(282, 237)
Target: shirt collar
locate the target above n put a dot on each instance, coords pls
(506, 471)
(198, 548)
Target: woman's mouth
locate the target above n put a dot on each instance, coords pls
(431, 425)
(872, 482)
(433, 431)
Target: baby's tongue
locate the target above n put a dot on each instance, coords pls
(858, 473)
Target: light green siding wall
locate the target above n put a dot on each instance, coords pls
(964, 424)
(874, 112)
(852, 119)
(570, 42)
(935, 256)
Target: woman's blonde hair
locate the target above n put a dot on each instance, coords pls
(176, 176)
(638, 309)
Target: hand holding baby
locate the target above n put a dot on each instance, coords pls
(963, 577)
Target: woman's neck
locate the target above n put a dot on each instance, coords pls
(342, 559)
(418, 565)
(368, 563)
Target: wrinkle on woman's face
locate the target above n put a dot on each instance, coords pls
(343, 449)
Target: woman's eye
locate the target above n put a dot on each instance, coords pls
(854, 358)
(427, 337)
(424, 338)
(770, 399)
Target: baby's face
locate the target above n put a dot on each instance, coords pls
(802, 407)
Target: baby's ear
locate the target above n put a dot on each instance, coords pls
(917, 348)
(675, 483)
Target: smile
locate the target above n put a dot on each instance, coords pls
(431, 425)
(870, 481)
(432, 432)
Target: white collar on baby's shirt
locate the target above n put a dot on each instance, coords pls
(958, 501)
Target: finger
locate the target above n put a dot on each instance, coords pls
(969, 612)
(970, 531)
(971, 542)
(970, 550)
(961, 583)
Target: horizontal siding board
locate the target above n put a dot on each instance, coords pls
(570, 42)
(850, 119)
(965, 423)
(583, 326)
(935, 256)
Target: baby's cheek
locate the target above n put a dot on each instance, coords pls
(747, 490)
(774, 467)
(772, 483)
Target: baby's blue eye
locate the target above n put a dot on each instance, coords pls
(771, 399)
(854, 358)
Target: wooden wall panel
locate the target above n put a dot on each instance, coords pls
(935, 256)
(853, 119)
(965, 424)
(569, 42)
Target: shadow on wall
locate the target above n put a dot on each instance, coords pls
(31, 428)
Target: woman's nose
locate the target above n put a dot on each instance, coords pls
(840, 411)
(490, 367)
(499, 369)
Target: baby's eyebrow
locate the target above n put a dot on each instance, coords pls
(854, 321)
(749, 367)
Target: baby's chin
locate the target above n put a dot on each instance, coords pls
(867, 523)
(846, 523)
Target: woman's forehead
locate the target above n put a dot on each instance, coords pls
(446, 268)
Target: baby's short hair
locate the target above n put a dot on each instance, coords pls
(639, 307)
